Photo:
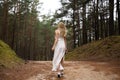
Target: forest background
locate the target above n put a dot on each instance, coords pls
(32, 39)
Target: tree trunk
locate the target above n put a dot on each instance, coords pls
(118, 11)
(84, 25)
(96, 22)
(74, 37)
(5, 21)
(111, 21)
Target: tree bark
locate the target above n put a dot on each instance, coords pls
(5, 21)
(96, 21)
(84, 25)
(118, 11)
(111, 16)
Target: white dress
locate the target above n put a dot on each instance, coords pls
(59, 53)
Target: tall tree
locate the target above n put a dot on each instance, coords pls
(96, 20)
(5, 20)
(111, 17)
(84, 25)
(118, 11)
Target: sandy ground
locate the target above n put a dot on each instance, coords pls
(74, 70)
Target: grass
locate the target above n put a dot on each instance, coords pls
(8, 57)
(106, 49)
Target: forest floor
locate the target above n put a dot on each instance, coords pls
(74, 70)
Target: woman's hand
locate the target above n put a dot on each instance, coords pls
(53, 48)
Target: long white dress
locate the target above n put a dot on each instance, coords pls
(59, 53)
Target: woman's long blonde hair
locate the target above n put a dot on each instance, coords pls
(62, 28)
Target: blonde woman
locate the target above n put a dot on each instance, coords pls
(59, 48)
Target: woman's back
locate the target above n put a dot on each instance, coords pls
(59, 48)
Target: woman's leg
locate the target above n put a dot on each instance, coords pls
(62, 64)
(60, 68)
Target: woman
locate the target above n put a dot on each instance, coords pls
(59, 48)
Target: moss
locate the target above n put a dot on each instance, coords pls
(106, 49)
(8, 57)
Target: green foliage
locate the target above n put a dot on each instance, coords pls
(44, 33)
(8, 57)
(106, 49)
(29, 37)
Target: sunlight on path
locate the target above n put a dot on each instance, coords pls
(76, 71)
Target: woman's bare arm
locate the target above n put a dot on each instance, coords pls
(56, 39)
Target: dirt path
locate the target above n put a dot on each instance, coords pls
(74, 70)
